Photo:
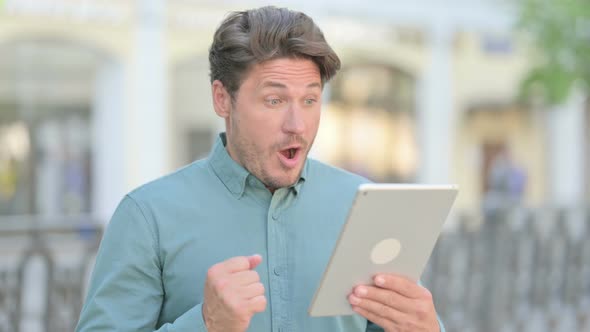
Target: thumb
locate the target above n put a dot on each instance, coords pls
(254, 260)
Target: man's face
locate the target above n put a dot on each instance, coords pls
(274, 119)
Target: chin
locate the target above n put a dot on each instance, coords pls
(286, 182)
(284, 178)
(293, 180)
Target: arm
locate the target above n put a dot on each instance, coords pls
(125, 292)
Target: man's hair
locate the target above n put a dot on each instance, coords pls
(246, 38)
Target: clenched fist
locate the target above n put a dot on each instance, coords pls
(233, 294)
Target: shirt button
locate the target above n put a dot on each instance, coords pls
(275, 216)
(277, 271)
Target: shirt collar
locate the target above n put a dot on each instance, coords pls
(233, 175)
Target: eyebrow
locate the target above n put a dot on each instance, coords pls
(272, 84)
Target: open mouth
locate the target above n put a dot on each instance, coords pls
(290, 153)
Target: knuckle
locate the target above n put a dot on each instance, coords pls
(262, 304)
(259, 288)
(212, 272)
(422, 309)
(243, 262)
(426, 294)
(381, 308)
(241, 311)
(372, 293)
(238, 263)
(253, 275)
(226, 299)
(391, 313)
(245, 321)
(408, 326)
(391, 300)
(256, 276)
(403, 281)
(235, 306)
(220, 284)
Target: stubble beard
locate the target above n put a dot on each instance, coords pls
(253, 160)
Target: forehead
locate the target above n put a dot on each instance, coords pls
(285, 71)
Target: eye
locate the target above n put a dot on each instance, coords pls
(309, 101)
(274, 101)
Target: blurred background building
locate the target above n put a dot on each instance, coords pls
(100, 96)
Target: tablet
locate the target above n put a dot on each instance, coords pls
(391, 228)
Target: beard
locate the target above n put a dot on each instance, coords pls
(258, 160)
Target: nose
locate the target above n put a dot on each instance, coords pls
(294, 122)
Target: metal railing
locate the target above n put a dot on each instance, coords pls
(45, 264)
(517, 270)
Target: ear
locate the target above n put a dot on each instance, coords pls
(221, 99)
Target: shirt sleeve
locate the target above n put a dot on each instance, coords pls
(126, 292)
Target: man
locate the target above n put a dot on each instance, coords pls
(239, 241)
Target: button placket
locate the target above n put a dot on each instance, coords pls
(278, 269)
(274, 254)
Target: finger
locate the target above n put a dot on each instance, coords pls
(378, 309)
(236, 264)
(400, 284)
(254, 260)
(244, 278)
(257, 304)
(252, 291)
(385, 296)
(380, 321)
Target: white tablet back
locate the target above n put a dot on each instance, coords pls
(390, 228)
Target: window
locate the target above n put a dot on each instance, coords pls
(45, 128)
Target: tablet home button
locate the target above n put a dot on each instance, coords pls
(385, 251)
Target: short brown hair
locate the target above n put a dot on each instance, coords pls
(246, 38)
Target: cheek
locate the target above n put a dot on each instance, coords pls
(313, 122)
(255, 128)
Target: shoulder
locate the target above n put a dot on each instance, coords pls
(324, 175)
(176, 184)
(317, 168)
(331, 187)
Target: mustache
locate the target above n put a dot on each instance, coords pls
(290, 141)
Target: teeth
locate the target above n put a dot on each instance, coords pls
(291, 153)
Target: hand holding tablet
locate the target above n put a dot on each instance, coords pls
(391, 228)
